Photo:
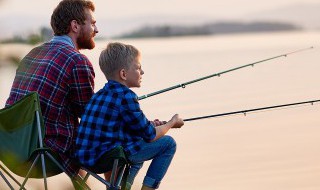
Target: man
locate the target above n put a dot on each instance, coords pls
(62, 76)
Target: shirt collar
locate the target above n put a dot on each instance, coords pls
(116, 83)
(117, 86)
(63, 39)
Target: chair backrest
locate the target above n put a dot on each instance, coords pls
(19, 135)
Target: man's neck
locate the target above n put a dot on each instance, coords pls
(74, 41)
(65, 39)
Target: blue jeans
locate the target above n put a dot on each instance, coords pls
(161, 153)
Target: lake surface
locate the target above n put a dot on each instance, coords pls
(278, 150)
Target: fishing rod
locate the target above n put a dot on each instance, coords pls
(183, 85)
(253, 110)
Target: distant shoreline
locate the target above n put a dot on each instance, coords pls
(209, 29)
(170, 30)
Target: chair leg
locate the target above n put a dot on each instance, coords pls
(27, 176)
(115, 179)
(120, 175)
(86, 177)
(114, 173)
(8, 174)
(78, 181)
(44, 172)
(55, 161)
(97, 177)
(6, 180)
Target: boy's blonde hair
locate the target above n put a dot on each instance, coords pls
(115, 57)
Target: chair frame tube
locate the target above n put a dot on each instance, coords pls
(6, 180)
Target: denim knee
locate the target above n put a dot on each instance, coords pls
(171, 143)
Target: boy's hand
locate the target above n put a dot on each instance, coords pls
(177, 121)
(157, 122)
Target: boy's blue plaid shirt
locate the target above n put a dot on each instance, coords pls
(112, 118)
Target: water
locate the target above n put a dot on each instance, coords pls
(276, 150)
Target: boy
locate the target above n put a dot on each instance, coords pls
(113, 118)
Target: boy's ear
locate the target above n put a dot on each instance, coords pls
(123, 74)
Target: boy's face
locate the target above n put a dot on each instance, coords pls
(134, 74)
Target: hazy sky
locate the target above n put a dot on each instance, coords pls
(125, 8)
(24, 14)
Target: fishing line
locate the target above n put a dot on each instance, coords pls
(183, 85)
(245, 112)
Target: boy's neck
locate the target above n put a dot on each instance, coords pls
(120, 81)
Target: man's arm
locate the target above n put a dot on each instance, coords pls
(81, 86)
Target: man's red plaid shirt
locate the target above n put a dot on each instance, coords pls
(64, 80)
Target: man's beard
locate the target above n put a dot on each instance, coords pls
(85, 41)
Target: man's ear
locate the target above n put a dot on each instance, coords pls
(75, 27)
(123, 74)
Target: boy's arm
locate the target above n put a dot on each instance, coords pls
(136, 120)
(157, 122)
(175, 122)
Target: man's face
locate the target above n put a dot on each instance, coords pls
(88, 31)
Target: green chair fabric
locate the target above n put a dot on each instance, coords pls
(20, 137)
(23, 153)
(21, 142)
(105, 163)
(17, 131)
(115, 161)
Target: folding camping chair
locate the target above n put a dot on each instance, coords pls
(21, 146)
(119, 167)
